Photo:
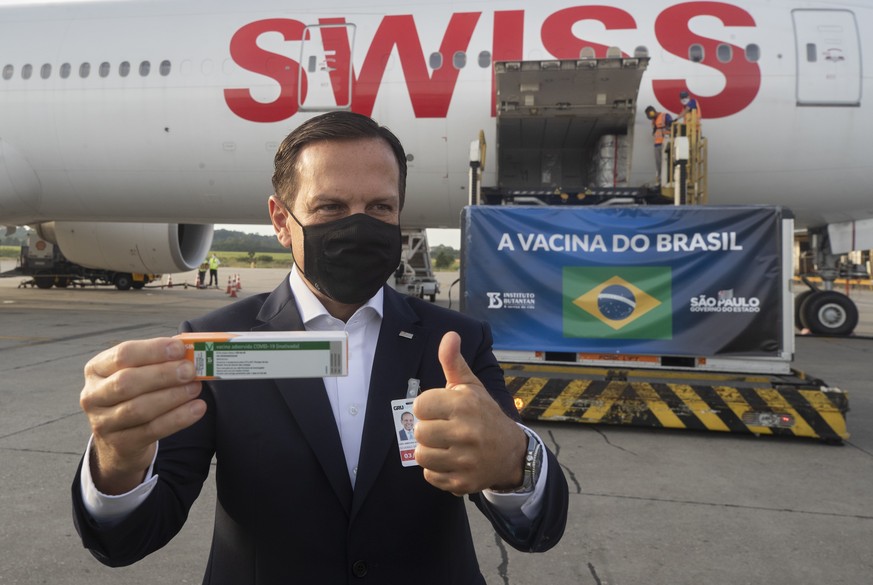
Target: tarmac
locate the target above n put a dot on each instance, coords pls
(647, 506)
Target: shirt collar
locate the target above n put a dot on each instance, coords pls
(310, 308)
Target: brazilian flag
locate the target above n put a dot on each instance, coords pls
(623, 302)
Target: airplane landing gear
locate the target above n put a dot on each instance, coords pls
(826, 312)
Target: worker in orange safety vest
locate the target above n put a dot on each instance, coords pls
(661, 122)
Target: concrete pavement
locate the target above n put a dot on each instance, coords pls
(647, 506)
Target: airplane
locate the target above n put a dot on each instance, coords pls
(129, 128)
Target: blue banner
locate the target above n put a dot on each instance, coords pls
(679, 281)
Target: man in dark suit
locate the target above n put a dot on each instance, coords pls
(309, 471)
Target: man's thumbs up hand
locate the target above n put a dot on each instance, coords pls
(455, 367)
(465, 442)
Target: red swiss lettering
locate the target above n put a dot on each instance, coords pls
(246, 53)
(742, 78)
(431, 93)
(558, 37)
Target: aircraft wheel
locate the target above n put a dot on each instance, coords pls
(798, 306)
(123, 281)
(62, 282)
(138, 284)
(829, 313)
(43, 281)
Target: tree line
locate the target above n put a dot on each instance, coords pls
(443, 257)
(234, 241)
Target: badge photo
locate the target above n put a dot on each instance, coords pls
(404, 427)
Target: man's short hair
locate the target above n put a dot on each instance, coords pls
(340, 125)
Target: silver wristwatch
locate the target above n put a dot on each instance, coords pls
(533, 462)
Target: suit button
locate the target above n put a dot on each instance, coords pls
(359, 569)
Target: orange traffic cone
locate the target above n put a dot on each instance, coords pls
(233, 293)
(229, 287)
(238, 284)
(197, 282)
(169, 281)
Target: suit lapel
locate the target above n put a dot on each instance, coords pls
(307, 399)
(397, 360)
(308, 403)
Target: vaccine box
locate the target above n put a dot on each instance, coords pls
(267, 354)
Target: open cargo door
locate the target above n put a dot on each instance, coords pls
(552, 115)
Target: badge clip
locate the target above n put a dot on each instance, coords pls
(413, 386)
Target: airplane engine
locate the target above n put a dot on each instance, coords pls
(147, 248)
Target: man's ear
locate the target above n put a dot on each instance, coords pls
(279, 216)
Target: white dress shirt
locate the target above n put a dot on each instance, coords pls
(348, 400)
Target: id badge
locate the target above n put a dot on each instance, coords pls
(404, 425)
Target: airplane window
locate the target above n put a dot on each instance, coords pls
(104, 69)
(485, 59)
(753, 53)
(26, 71)
(165, 68)
(45, 71)
(459, 59)
(724, 53)
(65, 70)
(810, 53)
(144, 68)
(435, 61)
(695, 53)
(124, 68)
(8, 71)
(84, 70)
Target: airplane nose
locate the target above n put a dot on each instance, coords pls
(20, 189)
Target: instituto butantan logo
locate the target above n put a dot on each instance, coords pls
(512, 300)
(618, 302)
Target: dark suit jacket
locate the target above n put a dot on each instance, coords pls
(286, 510)
(404, 436)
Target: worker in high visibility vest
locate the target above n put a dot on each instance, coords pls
(201, 274)
(689, 104)
(214, 262)
(660, 131)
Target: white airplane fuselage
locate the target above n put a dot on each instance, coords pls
(194, 142)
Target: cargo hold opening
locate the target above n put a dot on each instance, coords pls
(566, 124)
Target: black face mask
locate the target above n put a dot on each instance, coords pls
(351, 258)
